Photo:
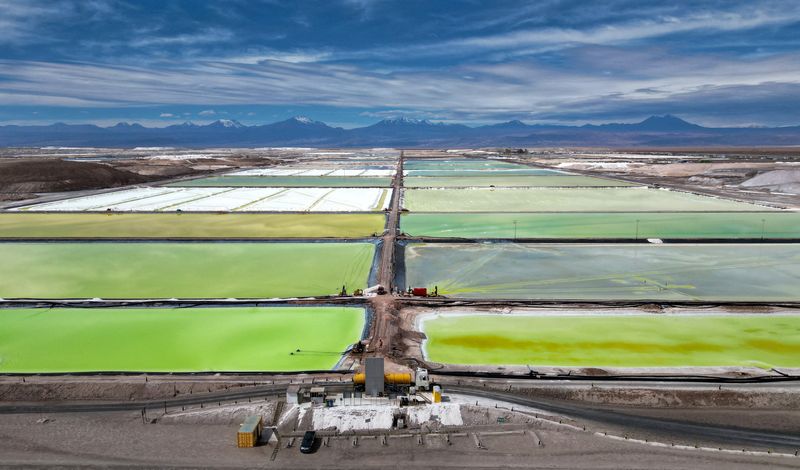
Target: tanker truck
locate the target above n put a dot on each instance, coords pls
(419, 380)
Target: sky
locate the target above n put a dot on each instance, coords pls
(353, 62)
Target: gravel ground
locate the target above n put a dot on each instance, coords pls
(121, 440)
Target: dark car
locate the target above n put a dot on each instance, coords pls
(307, 446)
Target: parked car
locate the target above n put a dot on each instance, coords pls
(307, 446)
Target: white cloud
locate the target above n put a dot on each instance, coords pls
(209, 35)
(492, 89)
(522, 42)
(298, 57)
(21, 20)
(166, 115)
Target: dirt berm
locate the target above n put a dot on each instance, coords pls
(21, 179)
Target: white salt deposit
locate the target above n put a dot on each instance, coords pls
(349, 418)
(299, 199)
(351, 199)
(311, 171)
(179, 157)
(377, 173)
(446, 414)
(227, 199)
(314, 172)
(346, 172)
(233, 199)
(598, 165)
(370, 417)
(164, 201)
(265, 172)
(99, 201)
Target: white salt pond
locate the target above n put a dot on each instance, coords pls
(225, 199)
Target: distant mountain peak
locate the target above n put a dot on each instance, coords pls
(404, 121)
(658, 130)
(514, 123)
(183, 125)
(227, 123)
(303, 120)
(125, 125)
(300, 122)
(664, 123)
(667, 122)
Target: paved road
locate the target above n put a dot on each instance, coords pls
(709, 383)
(386, 270)
(383, 328)
(238, 394)
(700, 432)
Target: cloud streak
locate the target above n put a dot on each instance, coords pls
(557, 61)
(518, 88)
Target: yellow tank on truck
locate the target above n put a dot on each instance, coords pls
(400, 378)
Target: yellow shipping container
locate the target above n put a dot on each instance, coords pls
(249, 432)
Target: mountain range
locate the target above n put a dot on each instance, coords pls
(654, 131)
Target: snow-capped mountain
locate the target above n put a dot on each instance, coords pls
(227, 123)
(398, 132)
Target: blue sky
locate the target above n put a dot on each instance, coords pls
(352, 62)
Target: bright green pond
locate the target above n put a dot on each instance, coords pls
(176, 340)
(115, 270)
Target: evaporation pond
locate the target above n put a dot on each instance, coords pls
(288, 181)
(604, 225)
(712, 272)
(59, 340)
(136, 270)
(614, 340)
(499, 179)
(565, 200)
(189, 225)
